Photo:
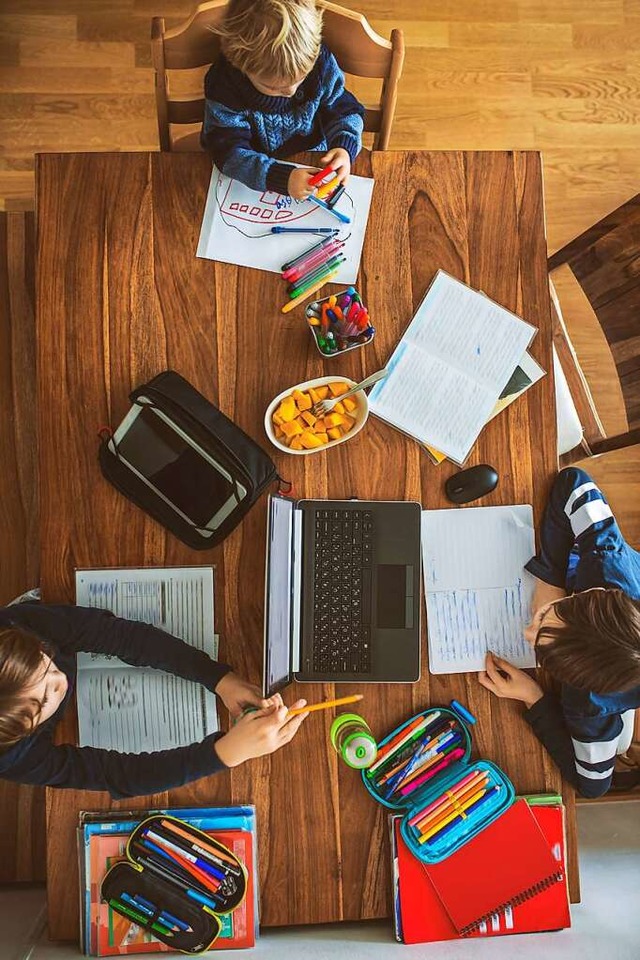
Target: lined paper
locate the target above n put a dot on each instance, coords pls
(477, 591)
(450, 367)
(135, 709)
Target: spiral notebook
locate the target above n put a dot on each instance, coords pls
(419, 916)
(504, 865)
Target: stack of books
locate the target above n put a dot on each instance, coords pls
(102, 841)
(460, 362)
(511, 878)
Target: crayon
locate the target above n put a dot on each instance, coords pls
(307, 293)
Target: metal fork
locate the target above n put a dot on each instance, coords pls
(323, 407)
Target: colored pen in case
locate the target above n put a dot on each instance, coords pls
(187, 847)
(401, 738)
(305, 253)
(450, 800)
(201, 846)
(325, 206)
(190, 871)
(162, 914)
(427, 762)
(139, 918)
(448, 815)
(427, 822)
(410, 787)
(432, 739)
(451, 792)
(451, 822)
(303, 230)
(185, 854)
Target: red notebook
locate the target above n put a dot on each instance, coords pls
(424, 918)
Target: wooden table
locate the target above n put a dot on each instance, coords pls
(122, 296)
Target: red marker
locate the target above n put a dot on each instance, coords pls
(320, 176)
(301, 269)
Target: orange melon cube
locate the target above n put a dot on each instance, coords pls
(277, 419)
(323, 392)
(291, 429)
(334, 433)
(339, 407)
(334, 420)
(349, 403)
(322, 437)
(303, 400)
(295, 444)
(287, 410)
(308, 418)
(310, 440)
(337, 388)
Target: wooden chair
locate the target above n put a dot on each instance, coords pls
(605, 261)
(359, 50)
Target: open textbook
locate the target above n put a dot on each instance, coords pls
(477, 591)
(450, 367)
(237, 222)
(136, 709)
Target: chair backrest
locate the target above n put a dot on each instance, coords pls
(605, 261)
(359, 50)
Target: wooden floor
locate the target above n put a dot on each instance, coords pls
(560, 76)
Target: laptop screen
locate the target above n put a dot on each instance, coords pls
(277, 652)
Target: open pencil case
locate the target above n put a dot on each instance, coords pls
(424, 768)
(175, 882)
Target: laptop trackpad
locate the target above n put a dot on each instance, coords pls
(395, 596)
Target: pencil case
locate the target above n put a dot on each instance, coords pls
(176, 882)
(424, 769)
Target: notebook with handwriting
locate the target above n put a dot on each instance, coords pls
(503, 866)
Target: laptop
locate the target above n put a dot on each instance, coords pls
(342, 592)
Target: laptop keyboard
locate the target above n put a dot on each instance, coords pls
(343, 559)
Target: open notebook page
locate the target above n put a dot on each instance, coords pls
(450, 367)
(134, 709)
(477, 591)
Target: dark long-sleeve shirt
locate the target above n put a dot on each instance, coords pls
(68, 630)
(581, 547)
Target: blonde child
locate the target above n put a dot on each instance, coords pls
(276, 90)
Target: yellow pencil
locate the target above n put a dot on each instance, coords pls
(309, 292)
(326, 704)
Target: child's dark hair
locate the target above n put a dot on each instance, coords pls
(20, 660)
(597, 645)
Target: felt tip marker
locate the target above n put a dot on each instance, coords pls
(307, 293)
(306, 253)
(325, 206)
(320, 175)
(325, 253)
(304, 230)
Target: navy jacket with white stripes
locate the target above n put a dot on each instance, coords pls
(581, 546)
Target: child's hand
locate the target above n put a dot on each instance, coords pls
(298, 185)
(259, 733)
(507, 681)
(340, 160)
(237, 694)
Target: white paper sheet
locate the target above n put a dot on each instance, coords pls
(477, 591)
(237, 221)
(450, 367)
(134, 709)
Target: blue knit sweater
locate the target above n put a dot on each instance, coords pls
(581, 546)
(246, 131)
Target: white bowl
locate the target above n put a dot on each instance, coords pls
(361, 413)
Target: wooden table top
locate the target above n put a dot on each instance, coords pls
(121, 296)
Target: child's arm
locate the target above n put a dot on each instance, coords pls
(583, 748)
(73, 629)
(340, 114)
(226, 136)
(577, 513)
(139, 774)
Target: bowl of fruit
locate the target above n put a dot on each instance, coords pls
(292, 426)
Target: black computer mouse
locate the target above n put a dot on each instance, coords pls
(470, 484)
